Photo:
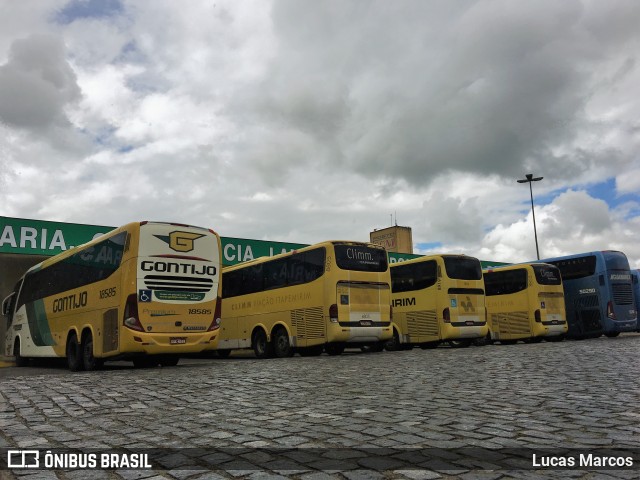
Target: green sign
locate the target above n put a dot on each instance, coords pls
(237, 250)
(36, 237)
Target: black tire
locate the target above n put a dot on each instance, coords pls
(557, 338)
(145, 362)
(393, 344)
(508, 342)
(533, 340)
(89, 362)
(460, 343)
(311, 351)
(223, 353)
(261, 347)
(373, 348)
(612, 334)
(281, 345)
(20, 360)
(334, 349)
(74, 354)
(169, 360)
(429, 345)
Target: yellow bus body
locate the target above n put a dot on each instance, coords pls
(519, 307)
(429, 306)
(144, 289)
(304, 300)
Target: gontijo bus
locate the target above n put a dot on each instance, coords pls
(525, 302)
(598, 293)
(329, 295)
(437, 298)
(146, 291)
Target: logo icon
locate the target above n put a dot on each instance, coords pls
(468, 305)
(180, 241)
(23, 459)
(144, 295)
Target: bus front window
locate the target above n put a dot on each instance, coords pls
(462, 268)
(360, 258)
(547, 275)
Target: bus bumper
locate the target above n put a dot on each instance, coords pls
(338, 333)
(450, 332)
(627, 326)
(554, 330)
(168, 343)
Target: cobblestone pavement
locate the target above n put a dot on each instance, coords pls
(479, 412)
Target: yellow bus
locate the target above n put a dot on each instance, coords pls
(435, 299)
(525, 302)
(326, 296)
(147, 292)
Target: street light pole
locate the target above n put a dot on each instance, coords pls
(529, 179)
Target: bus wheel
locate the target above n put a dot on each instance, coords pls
(373, 348)
(145, 362)
(281, 345)
(261, 347)
(429, 345)
(311, 351)
(74, 355)
(612, 334)
(20, 360)
(459, 343)
(89, 362)
(557, 338)
(393, 344)
(223, 353)
(334, 348)
(533, 340)
(508, 342)
(169, 360)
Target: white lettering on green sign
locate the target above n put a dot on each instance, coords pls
(235, 253)
(29, 237)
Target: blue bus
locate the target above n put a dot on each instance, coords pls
(598, 293)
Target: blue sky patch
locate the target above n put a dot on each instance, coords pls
(79, 9)
(428, 245)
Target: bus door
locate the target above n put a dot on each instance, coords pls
(360, 304)
(551, 305)
(465, 307)
(586, 320)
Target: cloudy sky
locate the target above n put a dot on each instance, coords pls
(303, 121)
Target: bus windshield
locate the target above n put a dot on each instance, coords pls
(616, 261)
(547, 274)
(462, 268)
(360, 258)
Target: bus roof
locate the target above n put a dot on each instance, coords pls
(431, 257)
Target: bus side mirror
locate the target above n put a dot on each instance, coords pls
(6, 305)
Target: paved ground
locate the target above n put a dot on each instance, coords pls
(480, 412)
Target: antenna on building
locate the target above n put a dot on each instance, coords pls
(396, 212)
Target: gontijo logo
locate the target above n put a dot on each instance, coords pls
(180, 241)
